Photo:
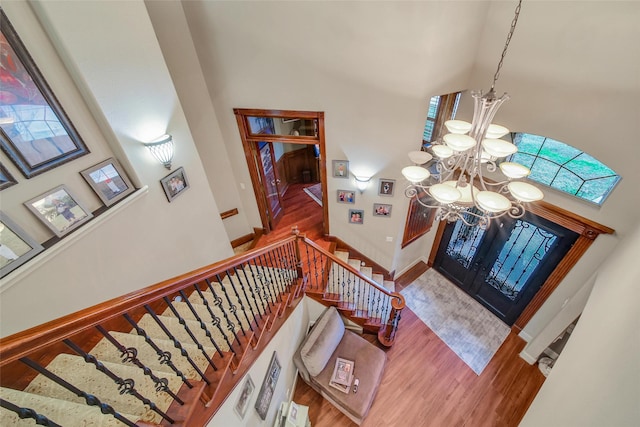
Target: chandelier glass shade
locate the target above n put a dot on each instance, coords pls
(454, 170)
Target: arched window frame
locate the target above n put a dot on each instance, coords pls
(557, 165)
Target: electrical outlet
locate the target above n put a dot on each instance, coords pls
(242, 186)
(389, 239)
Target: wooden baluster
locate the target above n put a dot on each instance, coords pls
(203, 325)
(131, 355)
(177, 344)
(231, 327)
(125, 386)
(90, 399)
(163, 356)
(23, 413)
(183, 322)
(215, 320)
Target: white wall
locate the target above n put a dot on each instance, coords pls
(368, 65)
(117, 91)
(284, 344)
(595, 381)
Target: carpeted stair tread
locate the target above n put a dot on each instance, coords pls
(105, 351)
(343, 255)
(355, 263)
(62, 412)
(366, 271)
(378, 278)
(87, 378)
(178, 331)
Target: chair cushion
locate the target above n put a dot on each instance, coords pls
(322, 341)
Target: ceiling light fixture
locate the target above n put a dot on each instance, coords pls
(461, 157)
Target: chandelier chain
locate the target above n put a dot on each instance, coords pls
(506, 45)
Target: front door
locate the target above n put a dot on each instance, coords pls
(270, 182)
(503, 266)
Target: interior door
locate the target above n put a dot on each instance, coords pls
(270, 181)
(504, 266)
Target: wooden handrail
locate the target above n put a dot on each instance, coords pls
(41, 336)
(393, 295)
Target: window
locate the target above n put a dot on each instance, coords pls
(441, 109)
(564, 167)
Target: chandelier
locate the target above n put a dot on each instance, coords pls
(461, 157)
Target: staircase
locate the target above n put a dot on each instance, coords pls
(170, 353)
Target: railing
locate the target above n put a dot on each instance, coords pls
(358, 297)
(171, 345)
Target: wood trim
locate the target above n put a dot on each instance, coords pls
(251, 155)
(242, 240)
(589, 230)
(230, 212)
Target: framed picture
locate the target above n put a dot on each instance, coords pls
(6, 179)
(268, 386)
(35, 132)
(356, 216)
(245, 395)
(59, 210)
(380, 209)
(175, 184)
(16, 246)
(386, 187)
(346, 196)
(109, 181)
(340, 169)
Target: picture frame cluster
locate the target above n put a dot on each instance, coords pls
(385, 188)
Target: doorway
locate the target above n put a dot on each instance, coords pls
(259, 131)
(504, 266)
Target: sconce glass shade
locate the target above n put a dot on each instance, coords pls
(362, 183)
(496, 131)
(514, 170)
(492, 202)
(162, 149)
(445, 193)
(459, 142)
(458, 126)
(442, 151)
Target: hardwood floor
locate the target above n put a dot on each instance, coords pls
(299, 210)
(425, 383)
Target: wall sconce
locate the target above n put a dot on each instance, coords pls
(162, 149)
(362, 183)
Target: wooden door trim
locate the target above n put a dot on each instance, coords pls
(247, 139)
(587, 229)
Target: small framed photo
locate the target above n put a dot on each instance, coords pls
(356, 216)
(380, 209)
(109, 181)
(6, 179)
(386, 187)
(175, 184)
(346, 196)
(16, 246)
(340, 168)
(59, 210)
(245, 396)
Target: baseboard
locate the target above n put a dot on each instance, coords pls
(528, 358)
(242, 240)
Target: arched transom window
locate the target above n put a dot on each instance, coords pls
(564, 167)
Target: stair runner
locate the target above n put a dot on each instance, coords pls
(62, 406)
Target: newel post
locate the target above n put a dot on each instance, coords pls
(387, 333)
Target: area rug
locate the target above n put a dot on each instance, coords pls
(315, 192)
(469, 329)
